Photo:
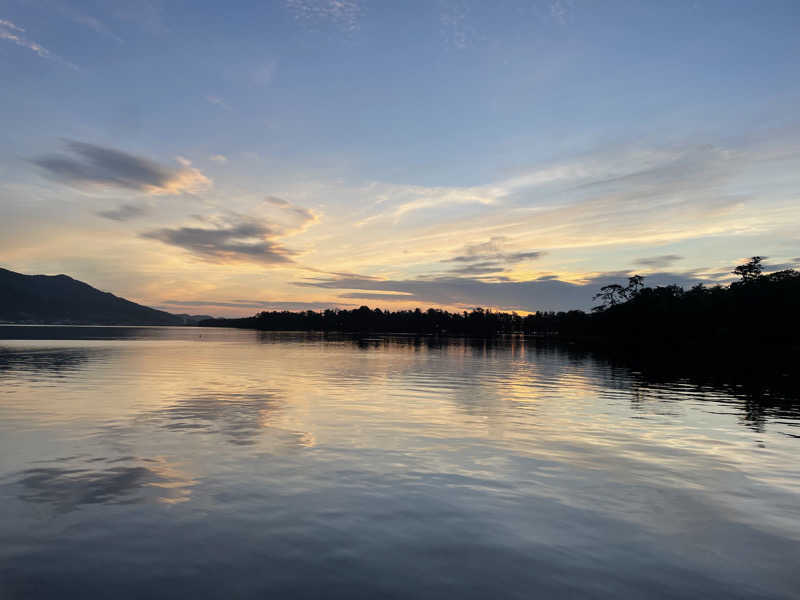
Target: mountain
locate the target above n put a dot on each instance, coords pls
(64, 300)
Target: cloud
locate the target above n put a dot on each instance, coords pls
(489, 257)
(435, 197)
(772, 267)
(515, 257)
(479, 268)
(264, 74)
(403, 200)
(658, 262)
(16, 35)
(544, 185)
(306, 216)
(275, 201)
(242, 241)
(217, 101)
(97, 26)
(252, 304)
(606, 185)
(239, 417)
(74, 14)
(453, 19)
(124, 212)
(391, 296)
(147, 14)
(626, 198)
(10, 26)
(544, 293)
(493, 249)
(342, 14)
(219, 158)
(89, 165)
(239, 238)
(560, 10)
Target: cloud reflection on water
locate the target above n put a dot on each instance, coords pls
(75, 482)
(238, 417)
(469, 468)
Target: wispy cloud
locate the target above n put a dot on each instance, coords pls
(9, 25)
(490, 257)
(581, 212)
(658, 262)
(549, 182)
(96, 25)
(631, 196)
(306, 216)
(147, 14)
(217, 101)
(236, 238)
(264, 73)
(16, 35)
(772, 267)
(275, 201)
(252, 304)
(71, 11)
(124, 212)
(561, 10)
(494, 250)
(477, 269)
(239, 240)
(219, 158)
(395, 202)
(344, 14)
(89, 165)
(454, 21)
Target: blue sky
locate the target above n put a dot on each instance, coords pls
(305, 153)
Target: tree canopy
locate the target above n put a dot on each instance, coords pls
(757, 308)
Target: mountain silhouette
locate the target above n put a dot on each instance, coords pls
(61, 299)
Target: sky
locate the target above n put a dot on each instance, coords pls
(225, 158)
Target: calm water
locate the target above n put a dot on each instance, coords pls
(181, 462)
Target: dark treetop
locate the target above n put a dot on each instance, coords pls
(756, 309)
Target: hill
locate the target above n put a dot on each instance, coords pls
(61, 299)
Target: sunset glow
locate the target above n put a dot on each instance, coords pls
(310, 154)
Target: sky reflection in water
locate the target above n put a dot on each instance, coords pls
(165, 462)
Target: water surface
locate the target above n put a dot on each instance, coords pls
(180, 462)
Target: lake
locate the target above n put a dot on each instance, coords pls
(190, 462)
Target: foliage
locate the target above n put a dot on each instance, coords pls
(758, 308)
(751, 270)
(614, 294)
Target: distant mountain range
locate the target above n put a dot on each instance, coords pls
(59, 299)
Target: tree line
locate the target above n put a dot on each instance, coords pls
(757, 308)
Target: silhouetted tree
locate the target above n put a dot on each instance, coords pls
(635, 285)
(610, 295)
(614, 294)
(758, 309)
(750, 270)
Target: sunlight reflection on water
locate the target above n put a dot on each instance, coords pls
(167, 462)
